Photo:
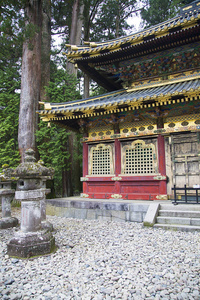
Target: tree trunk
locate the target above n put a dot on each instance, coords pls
(117, 22)
(76, 30)
(67, 175)
(31, 77)
(86, 86)
(46, 49)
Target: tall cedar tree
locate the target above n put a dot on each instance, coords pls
(31, 76)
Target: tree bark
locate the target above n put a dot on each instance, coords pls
(46, 49)
(86, 86)
(31, 77)
(67, 174)
(76, 30)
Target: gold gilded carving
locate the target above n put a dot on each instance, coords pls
(188, 7)
(110, 107)
(116, 178)
(116, 196)
(84, 178)
(161, 197)
(139, 151)
(101, 160)
(84, 195)
(159, 177)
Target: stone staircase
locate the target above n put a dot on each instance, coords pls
(184, 217)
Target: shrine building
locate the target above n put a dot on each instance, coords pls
(143, 136)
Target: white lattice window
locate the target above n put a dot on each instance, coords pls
(138, 158)
(101, 160)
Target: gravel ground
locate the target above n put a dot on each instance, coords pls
(105, 260)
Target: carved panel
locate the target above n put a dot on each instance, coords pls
(185, 149)
(139, 158)
(101, 159)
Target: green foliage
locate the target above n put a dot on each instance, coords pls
(158, 11)
(104, 20)
(11, 23)
(62, 87)
(96, 90)
(9, 99)
(52, 143)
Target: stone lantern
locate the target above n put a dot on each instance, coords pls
(32, 239)
(45, 224)
(6, 196)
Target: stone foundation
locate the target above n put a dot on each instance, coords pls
(25, 245)
(109, 210)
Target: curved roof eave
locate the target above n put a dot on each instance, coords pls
(189, 17)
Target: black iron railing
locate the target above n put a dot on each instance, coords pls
(190, 195)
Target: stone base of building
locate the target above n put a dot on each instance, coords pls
(8, 222)
(117, 210)
(26, 245)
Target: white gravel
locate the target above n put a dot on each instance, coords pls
(105, 260)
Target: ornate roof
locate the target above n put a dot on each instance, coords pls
(158, 94)
(155, 67)
(180, 30)
(189, 17)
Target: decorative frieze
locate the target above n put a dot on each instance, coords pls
(182, 58)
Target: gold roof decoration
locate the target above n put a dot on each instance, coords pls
(148, 96)
(188, 17)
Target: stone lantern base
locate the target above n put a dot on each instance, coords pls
(8, 222)
(25, 245)
(46, 225)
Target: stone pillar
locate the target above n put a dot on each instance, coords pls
(32, 239)
(45, 224)
(6, 196)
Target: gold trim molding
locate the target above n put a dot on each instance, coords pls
(116, 196)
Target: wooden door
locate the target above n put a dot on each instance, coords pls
(186, 159)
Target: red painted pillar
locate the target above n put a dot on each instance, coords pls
(117, 165)
(85, 166)
(162, 164)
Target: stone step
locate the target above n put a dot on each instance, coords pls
(175, 227)
(179, 213)
(180, 207)
(178, 221)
